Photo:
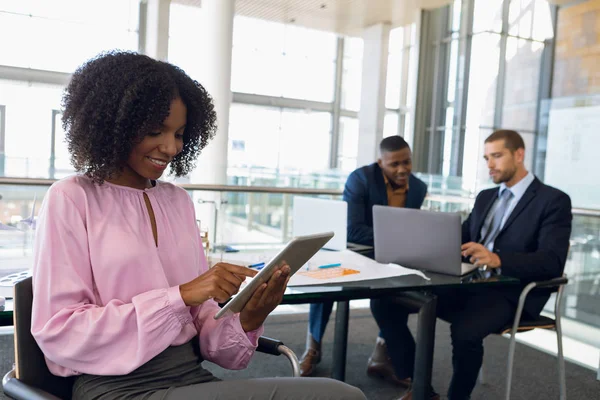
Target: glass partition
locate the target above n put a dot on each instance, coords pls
(247, 216)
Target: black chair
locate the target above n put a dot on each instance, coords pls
(30, 378)
(542, 322)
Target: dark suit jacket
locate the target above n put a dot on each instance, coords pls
(365, 188)
(534, 241)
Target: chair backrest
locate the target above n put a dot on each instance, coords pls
(30, 363)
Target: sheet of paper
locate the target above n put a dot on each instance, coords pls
(366, 268)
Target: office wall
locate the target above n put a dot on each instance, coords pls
(577, 55)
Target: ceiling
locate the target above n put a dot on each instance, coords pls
(346, 17)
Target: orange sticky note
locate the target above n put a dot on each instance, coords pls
(329, 273)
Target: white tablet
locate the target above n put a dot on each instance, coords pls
(295, 254)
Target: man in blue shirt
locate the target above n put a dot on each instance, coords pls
(520, 229)
(388, 182)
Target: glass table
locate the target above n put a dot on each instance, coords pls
(413, 290)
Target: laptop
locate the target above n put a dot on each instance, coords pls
(419, 239)
(311, 215)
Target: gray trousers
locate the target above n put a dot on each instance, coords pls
(264, 389)
(177, 374)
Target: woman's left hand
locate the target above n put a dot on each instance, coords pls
(265, 299)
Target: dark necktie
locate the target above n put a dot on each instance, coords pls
(494, 228)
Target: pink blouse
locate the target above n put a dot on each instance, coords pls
(106, 298)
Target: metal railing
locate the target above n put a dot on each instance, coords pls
(279, 190)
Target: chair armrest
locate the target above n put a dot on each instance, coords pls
(552, 282)
(18, 390)
(269, 346)
(276, 347)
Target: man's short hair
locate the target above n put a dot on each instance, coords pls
(512, 140)
(393, 143)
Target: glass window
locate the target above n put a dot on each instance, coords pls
(390, 124)
(456, 14)
(523, 60)
(352, 73)
(187, 24)
(487, 16)
(274, 59)
(281, 138)
(348, 143)
(452, 76)
(253, 136)
(394, 68)
(2, 118)
(60, 35)
(305, 140)
(520, 18)
(542, 21)
(483, 78)
(62, 159)
(29, 113)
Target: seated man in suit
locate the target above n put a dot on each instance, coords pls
(387, 182)
(519, 229)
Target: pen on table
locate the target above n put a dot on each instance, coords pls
(257, 266)
(330, 265)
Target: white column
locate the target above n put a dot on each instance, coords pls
(216, 78)
(372, 101)
(154, 28)
(214, 73)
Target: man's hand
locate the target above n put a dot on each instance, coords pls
(265, 299)
(480, 255)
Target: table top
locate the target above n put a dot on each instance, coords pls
(362, 289)
(389, 286)
(365, 289)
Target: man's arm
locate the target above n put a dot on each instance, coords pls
(553, 245)
(466, 225)
(466, 229)
(355, 194)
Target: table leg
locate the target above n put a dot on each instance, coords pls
(425, 342)
(340, 340)
(425, 305)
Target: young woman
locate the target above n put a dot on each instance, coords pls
(123, 297)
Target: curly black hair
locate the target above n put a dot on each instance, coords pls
(117, 98)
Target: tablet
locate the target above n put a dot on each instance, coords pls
(295, 254)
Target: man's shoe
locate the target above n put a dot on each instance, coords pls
(380, 365)
(311, 356)
(408, 396)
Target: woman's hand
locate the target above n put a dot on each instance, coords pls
(265, 299)
(219, 283)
